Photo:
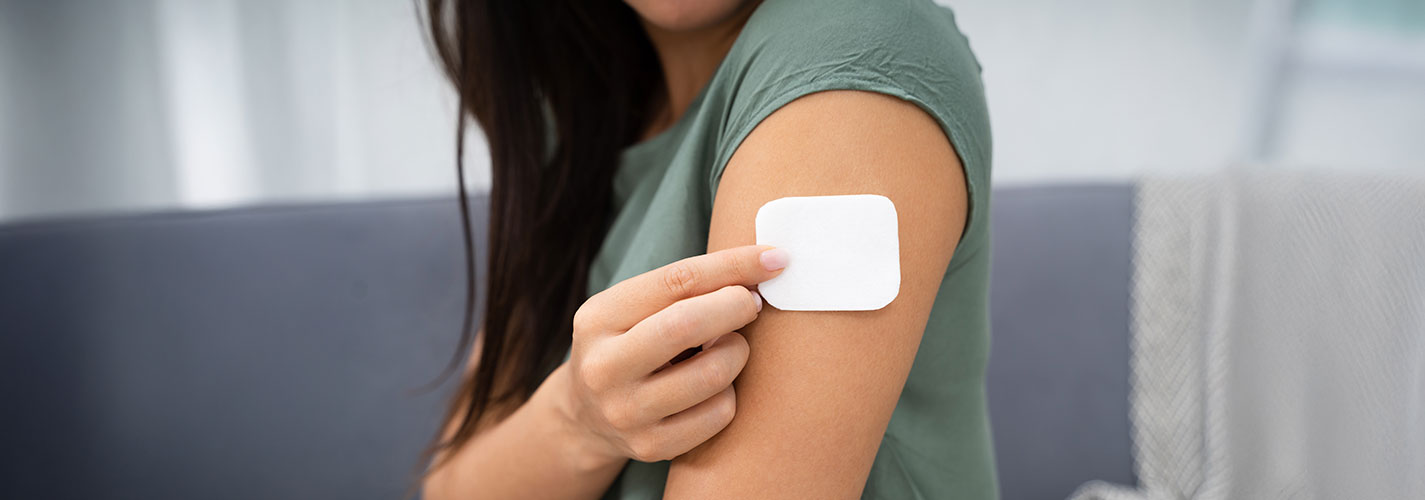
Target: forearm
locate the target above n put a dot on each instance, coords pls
(536, 452)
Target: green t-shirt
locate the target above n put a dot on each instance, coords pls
(938, 442)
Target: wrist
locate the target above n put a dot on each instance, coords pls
(585, 450)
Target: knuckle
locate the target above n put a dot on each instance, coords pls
(681, 278)
(678, 325)
(737, 264)
(596, 371)
(583, 323)
(747, 303)
(619, 416)
(713, 376)
(588, 378)
(741, 350)
(645, 448)
(736, 301)
(726, 409)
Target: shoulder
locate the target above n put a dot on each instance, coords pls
(908, 49)
(892, 42)
(813, 29)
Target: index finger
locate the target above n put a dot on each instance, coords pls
(639, 297)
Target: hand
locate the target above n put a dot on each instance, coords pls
(623, 387)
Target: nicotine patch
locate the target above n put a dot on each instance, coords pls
(844, 252)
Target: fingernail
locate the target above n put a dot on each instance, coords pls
(757, 297)
(774, 259)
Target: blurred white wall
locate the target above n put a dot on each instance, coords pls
(1358, 98)
(154, 104)
(1110, 89)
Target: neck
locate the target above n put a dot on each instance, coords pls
(689, 59)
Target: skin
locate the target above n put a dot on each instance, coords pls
(819, 387)
(813, 391)
(691, 37)
(618, 397)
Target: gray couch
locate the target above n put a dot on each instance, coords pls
(277, 352)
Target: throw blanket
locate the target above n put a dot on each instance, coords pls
(1278, 338)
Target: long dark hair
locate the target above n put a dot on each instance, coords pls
(559, 88)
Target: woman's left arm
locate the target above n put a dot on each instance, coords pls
(819, 387)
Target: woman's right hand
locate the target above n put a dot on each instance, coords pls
(621, 392)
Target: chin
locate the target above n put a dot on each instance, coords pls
(685, 15)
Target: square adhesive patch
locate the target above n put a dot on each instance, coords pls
(844, 252)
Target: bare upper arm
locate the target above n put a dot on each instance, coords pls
(819, 387)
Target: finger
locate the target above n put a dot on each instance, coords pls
(687, 323)
(686, 430)
(639, 297)
(691, 382)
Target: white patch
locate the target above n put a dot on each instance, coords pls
(844, 252)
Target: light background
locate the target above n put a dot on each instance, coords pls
(147, 105)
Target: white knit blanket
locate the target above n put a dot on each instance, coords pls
(1278, 339)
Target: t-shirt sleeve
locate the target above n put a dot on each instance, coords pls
(911, 50)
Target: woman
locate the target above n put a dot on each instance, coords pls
(627, 141)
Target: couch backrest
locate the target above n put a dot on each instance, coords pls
(276, 352)
(1059, 303)
(259, 353)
